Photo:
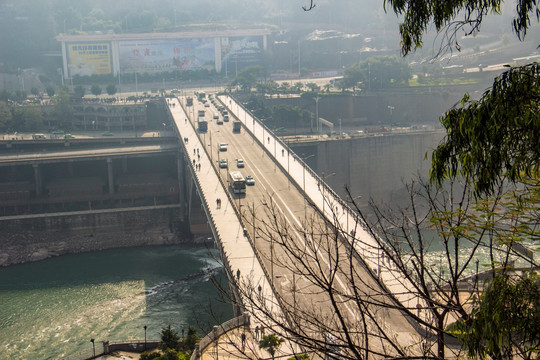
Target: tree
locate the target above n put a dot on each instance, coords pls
(79, 91)
(111, 89)
(32, 118)
(34, 91)
(5, 116)
(247, 77)
(496, 137)
(377, 72)
(169, 339)
(504, 325)
(62, 111)
(190, 340)
(312, 86)
(96, 90)
(50, 91)
(270, 343)
(418, 17)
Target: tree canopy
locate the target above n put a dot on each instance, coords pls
(495, 137)
(420, 15)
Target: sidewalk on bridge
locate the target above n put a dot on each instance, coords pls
(237, 253)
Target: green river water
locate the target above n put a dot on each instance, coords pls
(52, 308)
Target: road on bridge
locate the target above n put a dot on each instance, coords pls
(273, 191)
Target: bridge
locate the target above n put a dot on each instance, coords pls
(288, 201)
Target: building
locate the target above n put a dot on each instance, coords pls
(102, 54)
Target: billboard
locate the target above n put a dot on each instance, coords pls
(89, 58)
(237, 52)
(166, 55)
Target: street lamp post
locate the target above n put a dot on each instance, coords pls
(317, 98)
(253, 222)
(145, 327)
(93, 346)
(304, 180)
(324, 186)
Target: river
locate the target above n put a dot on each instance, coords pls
(53, 308)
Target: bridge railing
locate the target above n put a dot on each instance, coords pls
(330, 196)
(210, 218)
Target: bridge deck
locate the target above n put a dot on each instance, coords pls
(283, 179)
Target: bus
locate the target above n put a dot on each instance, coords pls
(237, 182)
(202, 124)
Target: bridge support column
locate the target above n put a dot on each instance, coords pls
(110, 175)
(37, 179)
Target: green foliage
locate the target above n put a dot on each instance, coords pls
(506, 320)
(376, 73)
(96, 90)
(302, 356)
(62, 110)
(50, 91)
(190, 340)
(34, 91)
(419, 15)
(270, 343)
(5, 116)
(149, 355)
(247, 77)
(79, 91)
(169, 339)
(496, 137)
(111, 89)
(288, 115)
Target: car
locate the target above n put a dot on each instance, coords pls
(58, 132)
(239, 163)
(107, 133)
(219, 122)
(175, 91)
(223, 164)
(69, 136)
(206, 105)
(250, 180)
(222, 147)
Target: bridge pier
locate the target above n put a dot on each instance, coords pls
(110, 175)
(37, 179)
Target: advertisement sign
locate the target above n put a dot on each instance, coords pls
(237, 52)
(166, 55)
(88, 58)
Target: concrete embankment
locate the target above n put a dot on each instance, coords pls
(37, 237)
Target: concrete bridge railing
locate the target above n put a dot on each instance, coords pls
(218, 331)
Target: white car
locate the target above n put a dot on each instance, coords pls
(223, 164)
(222, 147)
(250, 180)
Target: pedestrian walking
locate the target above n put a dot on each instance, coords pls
(197, 151)
(243, 341)
(198, 156)
(193, 151)
(257, 332)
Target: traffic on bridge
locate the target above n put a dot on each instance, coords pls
(298, 258)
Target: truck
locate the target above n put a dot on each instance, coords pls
(236, 126)
(202, 124)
